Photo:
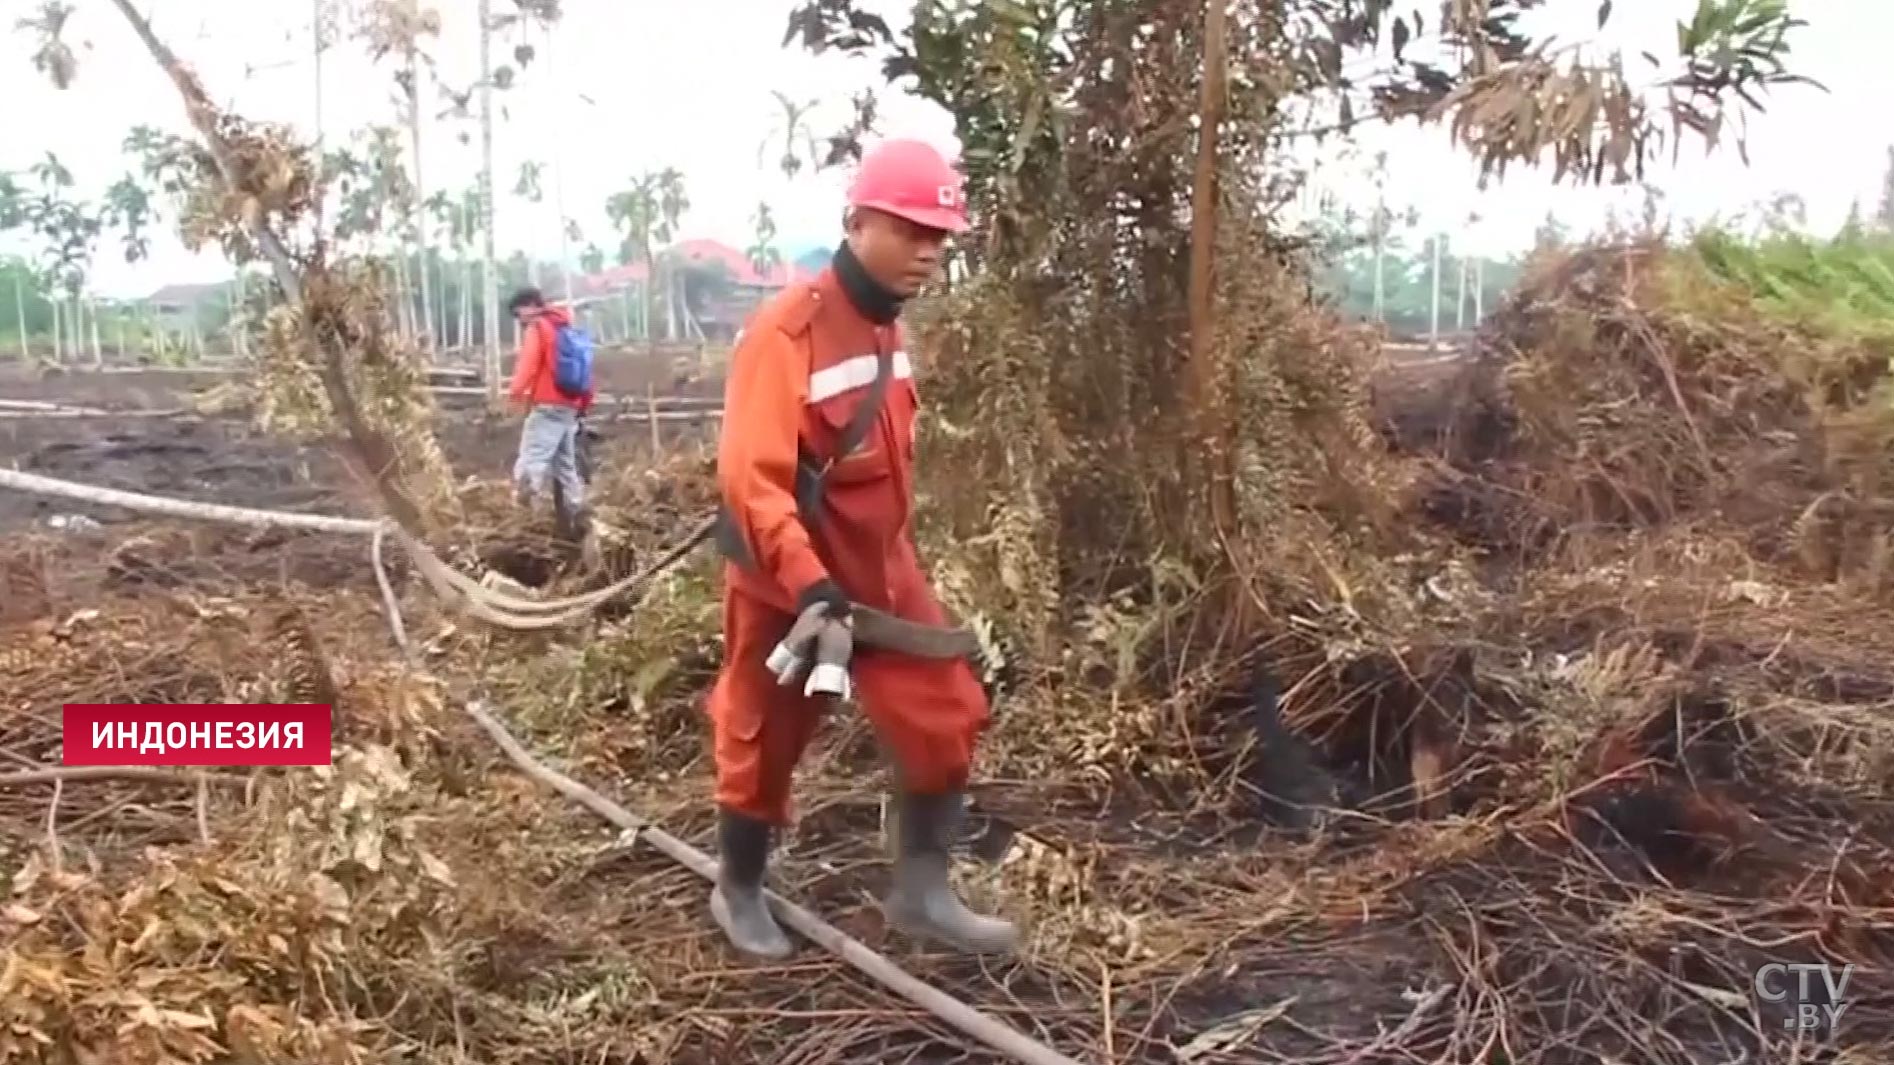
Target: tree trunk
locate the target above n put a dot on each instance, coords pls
(316, 41)
(467, 304)
(1433, 308)
(19, 309)
(58, 347)
(645, 296)
(1460, 296)
(410, 302)
(404, 306)
(438, 325)
(1204, 379)
(420, 197)
(98, 349)
(558, 170)
(490, 302)
(239, 318)
(1380, 260)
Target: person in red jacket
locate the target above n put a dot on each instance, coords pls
(549, 438)
(801, 368)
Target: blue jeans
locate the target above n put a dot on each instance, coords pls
(548, 451)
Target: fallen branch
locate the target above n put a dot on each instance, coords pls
(604, 400)
(996, 1034)
(146, 774)
(389, 603)
(87, 412)
(38, 408)
(53, 849)
(202, 369)
(31, 404)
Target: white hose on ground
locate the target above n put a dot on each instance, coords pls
(995, 1033)
(487, 604)
(181, 508)
(87, 412)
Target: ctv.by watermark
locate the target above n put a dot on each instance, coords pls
(1812, 992)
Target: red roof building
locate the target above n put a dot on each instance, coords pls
(737, 265)
(720, 315)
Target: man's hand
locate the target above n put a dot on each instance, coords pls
(519, 404)
(829, 594)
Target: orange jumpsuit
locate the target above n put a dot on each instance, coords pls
(800, 367)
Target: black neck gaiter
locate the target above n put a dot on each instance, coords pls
(869, 296)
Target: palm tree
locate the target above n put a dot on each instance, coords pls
(375, 185)
(527, 187)
(324, 23)
(69, 230)
(471, 218)
(527, 14)
(791, 134)
(634, 214)
(672, 203)
(396, 28)
(12, 217)
(52, 56)
(128, 209)
(439, 210)
(762, 251)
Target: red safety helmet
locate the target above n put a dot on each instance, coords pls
(911, 180)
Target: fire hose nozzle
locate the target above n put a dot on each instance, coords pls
(829, 679)
(791, 656)
(834, 646)
(784, 663)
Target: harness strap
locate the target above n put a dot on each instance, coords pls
(873, 628)
(809, 477)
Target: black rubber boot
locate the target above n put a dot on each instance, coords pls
(573, 524)
(922, 903)
(737, 903)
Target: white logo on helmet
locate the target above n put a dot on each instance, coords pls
(948, 196)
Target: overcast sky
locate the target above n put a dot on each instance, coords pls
(631, 85)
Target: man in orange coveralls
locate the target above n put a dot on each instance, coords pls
(802, 365)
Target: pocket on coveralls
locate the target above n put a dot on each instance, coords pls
(866, 463)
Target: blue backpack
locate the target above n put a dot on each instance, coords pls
(572, 361)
